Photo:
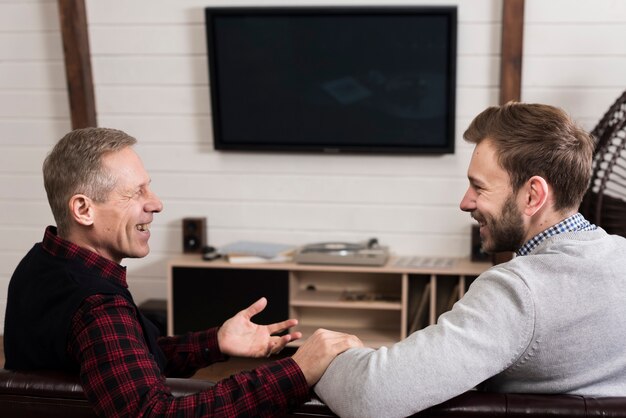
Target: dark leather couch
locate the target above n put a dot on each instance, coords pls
(57, 395)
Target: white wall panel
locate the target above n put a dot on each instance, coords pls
(8, 261)
(14, 212)
(32, 131)
(37, 103)
(580, 11)
(477, 70)
(574, 39)
(580, 102)
(22, 159)
(192, 130)
(19, 238)
(479, 39)
(572, 72)
(470, 101)
(30, 46)
(3, 308)
(322, 217)
(17, 186)
(303, 188)
(21, 16)
(165, 39)
(33, 113)
(574, 55)
(151, 70)
(173, 100)
(32, 75)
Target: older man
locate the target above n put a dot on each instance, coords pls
(69, 307)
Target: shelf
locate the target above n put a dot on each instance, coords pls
(460, 266)
(374, 338)
(331, 299)
(380, 305)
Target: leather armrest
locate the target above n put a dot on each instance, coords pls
(59, 384)
(54, 394)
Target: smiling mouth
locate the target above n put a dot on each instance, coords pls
(481, 222)
(143, 227)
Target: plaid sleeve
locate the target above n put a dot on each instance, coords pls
(191, 351)
(120, 377)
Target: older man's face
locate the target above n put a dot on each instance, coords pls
(122, 223)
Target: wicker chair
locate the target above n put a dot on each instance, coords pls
(605, 202)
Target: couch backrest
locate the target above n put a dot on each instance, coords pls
(57, 395)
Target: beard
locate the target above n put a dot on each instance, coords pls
(506, 232)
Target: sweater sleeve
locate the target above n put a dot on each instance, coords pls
(120, 377)
(484, 333)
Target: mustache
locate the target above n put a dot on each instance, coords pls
(477, 217)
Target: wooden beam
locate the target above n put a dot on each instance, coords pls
(73, 19)
(511, 66)
(511, 52)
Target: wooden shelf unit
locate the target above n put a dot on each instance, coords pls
(381, 305)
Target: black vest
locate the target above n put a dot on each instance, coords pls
(44, 293)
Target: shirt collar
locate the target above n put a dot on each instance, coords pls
(106, 268)
(576, 222)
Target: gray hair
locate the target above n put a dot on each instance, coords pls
(74, 166)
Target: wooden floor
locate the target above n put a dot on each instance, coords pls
(214, 372)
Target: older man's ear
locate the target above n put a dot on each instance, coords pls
(81, 209)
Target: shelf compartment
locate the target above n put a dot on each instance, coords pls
(341, 300)
(373, 337)
(387, 285)
(373, 327)
(419, 302)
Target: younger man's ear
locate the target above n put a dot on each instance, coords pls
(537, 194)
(81, 209)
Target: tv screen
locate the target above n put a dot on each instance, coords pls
(332, 79)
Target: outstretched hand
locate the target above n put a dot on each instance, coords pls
(241, 337)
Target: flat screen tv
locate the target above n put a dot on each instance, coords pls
(333, 79)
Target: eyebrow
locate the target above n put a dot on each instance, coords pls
(475, 181)
(144, 184)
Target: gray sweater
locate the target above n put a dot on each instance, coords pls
(553, 321)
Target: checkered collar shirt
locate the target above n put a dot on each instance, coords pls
(576, 222)
(106, 268)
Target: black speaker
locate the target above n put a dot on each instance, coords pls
(194, 235)
(477, 253)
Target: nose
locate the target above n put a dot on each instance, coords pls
(468, 203)
(153, 203)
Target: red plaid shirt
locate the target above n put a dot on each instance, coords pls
(120, 377)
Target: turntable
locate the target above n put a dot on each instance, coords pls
(368, 253)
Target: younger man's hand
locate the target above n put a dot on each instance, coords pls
(320, 349)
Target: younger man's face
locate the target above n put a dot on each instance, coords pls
(491, 202)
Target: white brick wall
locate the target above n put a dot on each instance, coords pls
(150, 75)
(34, 111)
